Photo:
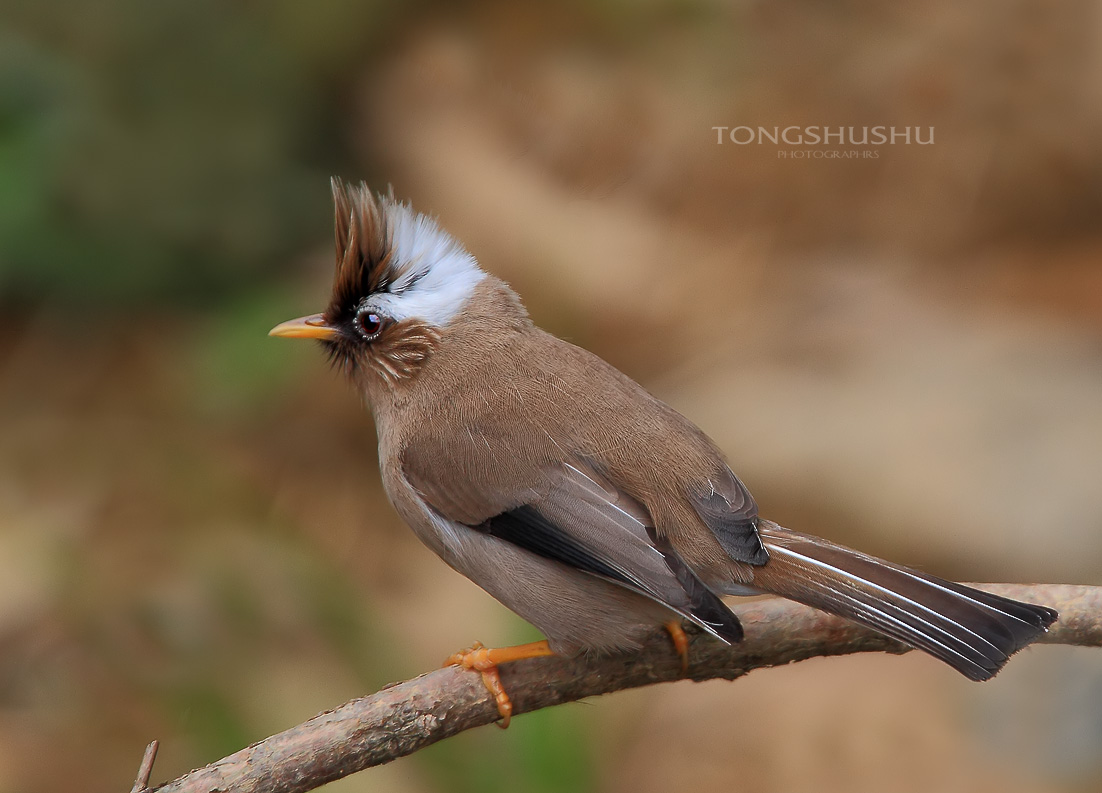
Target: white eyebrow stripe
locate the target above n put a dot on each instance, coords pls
(436, 274)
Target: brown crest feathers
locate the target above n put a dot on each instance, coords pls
(363, 248)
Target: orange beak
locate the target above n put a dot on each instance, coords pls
(311, 327)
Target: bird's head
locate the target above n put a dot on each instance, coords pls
(400, 281)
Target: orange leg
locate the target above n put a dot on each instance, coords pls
(680, 642)
(486, 660)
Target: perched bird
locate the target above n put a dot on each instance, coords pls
(565, 490)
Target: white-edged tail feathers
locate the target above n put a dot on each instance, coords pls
(973, 631)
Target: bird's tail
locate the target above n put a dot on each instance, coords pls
(974, 632)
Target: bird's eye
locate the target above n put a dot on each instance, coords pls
(369, 324)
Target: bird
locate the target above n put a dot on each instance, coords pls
(568, 492)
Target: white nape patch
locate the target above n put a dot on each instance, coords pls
(435, 274)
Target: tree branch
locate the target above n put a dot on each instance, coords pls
(141, 783)
(406, 717)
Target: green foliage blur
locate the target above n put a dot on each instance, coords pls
(170, 152)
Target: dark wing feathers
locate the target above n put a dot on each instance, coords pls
(528, 528)
(728, 509)
(707, 609)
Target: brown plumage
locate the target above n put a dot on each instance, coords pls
(567, 491)
(364, 253)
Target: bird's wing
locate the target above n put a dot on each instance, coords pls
(573, 515)
(726, 507)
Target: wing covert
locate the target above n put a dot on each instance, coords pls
(728, 509)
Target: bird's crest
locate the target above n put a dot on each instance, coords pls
(364, 253)
(384, 248)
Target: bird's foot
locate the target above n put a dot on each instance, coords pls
(486, 659)
(680, 642)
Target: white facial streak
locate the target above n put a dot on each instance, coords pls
(435, 275)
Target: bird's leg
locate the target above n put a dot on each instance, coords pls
(680, 642)
(486, 660)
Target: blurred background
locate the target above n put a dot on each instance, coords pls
(900, 352)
